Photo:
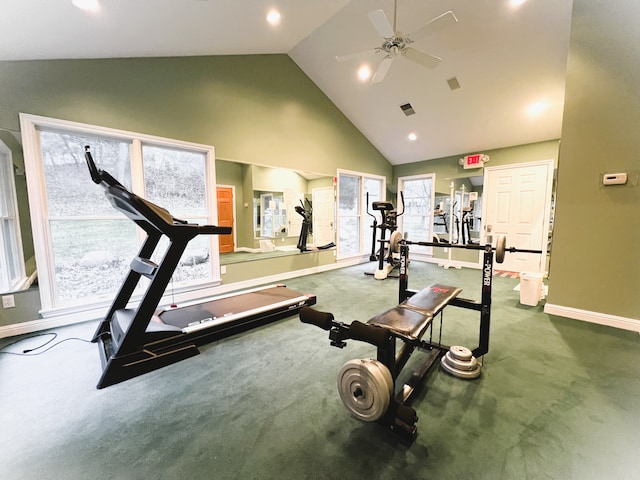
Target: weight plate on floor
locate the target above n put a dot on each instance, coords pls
(465, 374)
(464, 365)
(365, 387)
(460, 353)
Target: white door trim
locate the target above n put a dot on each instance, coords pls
(547, 198)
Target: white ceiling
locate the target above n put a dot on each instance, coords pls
(503, 58)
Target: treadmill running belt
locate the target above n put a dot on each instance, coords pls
(233, 305)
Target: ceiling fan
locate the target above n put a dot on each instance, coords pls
(395, 43)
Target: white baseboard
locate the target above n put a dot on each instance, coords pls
(594, 317)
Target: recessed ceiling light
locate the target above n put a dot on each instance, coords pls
(516, 3)
(273, 17)
(87, 5)
(364, 73)
(536, 108)
(412, 137)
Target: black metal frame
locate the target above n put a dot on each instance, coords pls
(131, 344)
(400, 417)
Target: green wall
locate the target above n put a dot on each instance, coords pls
(448, 169)
(252, 108)
(599, 134)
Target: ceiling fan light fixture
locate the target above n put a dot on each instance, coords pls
(396, 44)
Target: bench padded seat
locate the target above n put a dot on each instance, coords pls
(412, 318)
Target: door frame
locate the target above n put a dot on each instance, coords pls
(550, 164)
(315, 227)
(235, 213)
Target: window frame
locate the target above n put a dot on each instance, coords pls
(15, 256)
(364, 244)
(420, 250)
(30, 126)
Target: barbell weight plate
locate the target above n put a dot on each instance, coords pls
(394, 242)
(464, 374)
(461, 364)
(460, 353)
(365, 387)
(501, 246)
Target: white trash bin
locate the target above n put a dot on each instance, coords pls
(530, 288)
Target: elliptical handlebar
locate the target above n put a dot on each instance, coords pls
(401, 201)
(375, 220)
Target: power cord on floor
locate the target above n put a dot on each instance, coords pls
(28, 352)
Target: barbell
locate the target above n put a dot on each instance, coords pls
(501, 246)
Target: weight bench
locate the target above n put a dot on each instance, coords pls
(367, 387)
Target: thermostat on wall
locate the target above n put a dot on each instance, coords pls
(614, 179)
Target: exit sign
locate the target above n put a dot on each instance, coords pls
(474, 161)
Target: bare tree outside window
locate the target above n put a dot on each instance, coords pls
(176, 180)
(92, 244)
(416, 221)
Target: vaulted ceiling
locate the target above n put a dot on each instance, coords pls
(509, 61)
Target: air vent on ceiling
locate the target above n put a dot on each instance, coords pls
(453, 83)
(407, 109)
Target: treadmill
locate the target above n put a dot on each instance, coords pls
(138, 339)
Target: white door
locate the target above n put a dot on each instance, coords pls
(323, 203)
(517, 201)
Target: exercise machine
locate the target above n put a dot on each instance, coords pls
(369, 388)
(387, 256)
(467, 220)
(374, 226)
(305, 210)
(134, 340)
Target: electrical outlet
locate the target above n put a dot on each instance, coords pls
(223, 269)
(8, 301)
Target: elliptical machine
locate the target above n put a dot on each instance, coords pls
(389, 251)
(305, 210)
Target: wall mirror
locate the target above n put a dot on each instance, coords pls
(458, 210)
(269, 207)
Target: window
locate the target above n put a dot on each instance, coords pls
(352, 207)
(176, 180)
(12, 273)
(418, 209)
(83, 245)
(274, 215)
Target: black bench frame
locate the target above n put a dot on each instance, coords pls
(400, 417)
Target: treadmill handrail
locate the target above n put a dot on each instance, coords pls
(143, 212)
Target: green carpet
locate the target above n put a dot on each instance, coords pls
(557, 399)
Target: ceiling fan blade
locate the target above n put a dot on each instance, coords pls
(349, 56)
(435, 25)
(382, 70)
(424, 59)
(380, 22)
